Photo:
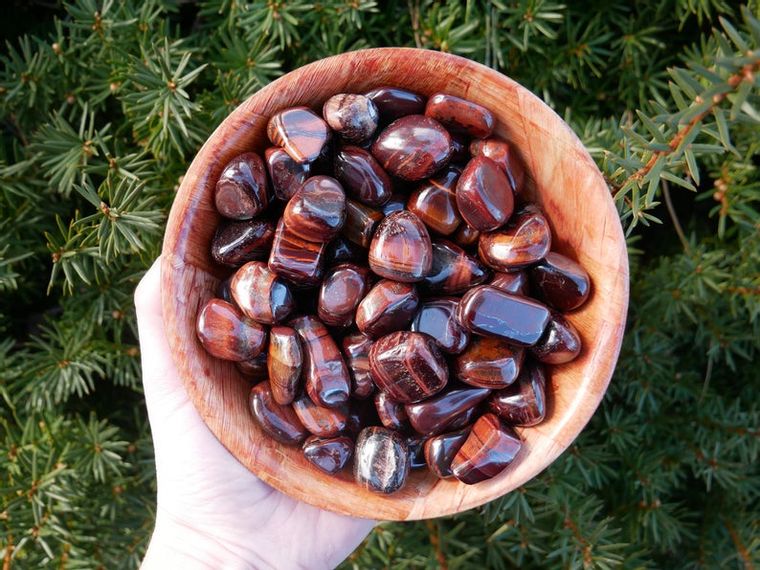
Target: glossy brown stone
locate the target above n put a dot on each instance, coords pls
(515, 282)
(362, 176)
(260, 294)
(341, 250)
(296, 259)
(441, 449)
(381, 460)
(453, 271)
(487, 451)
(434, 415)
(388, 307)
(460, 116)
(560, 282)
(413, 147)
(353, 116)
(254, 369)
(395, 203)
(488, 311)
(342, 289)
(356, 351)
(392, 414)
(502, 154)
(525, 240)
(361, 223)
(434, 202)
(329, 454)
(464, 419)
(228, 334)
(242, 190)
(235, 243)
(325, 374)
(408, 366)
(524, 402)
(300, 131)
(484, 195)
(317, 211)
(319, 420)
(286, 174)
(280, 422)
(489, 363)
(438, 318)
(284, 364)
(416, 446)
(466, 235)
(401, 249)
(560, 343)
(393, 103)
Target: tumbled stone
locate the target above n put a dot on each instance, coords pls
(235, 243)
(353, 116)
(284, 364)
(392, 414)
(242, 190)
(466, 235)
(381, 460)
(300, 131)
(401, 249)
(489, 363)
(524, 402)
(525, 240)
(361, 223)
(438, 318)
(487, 451)
(434, 202)
(453, 271)
(460, 116)
(362, 176)
(280, 422)
(228, 334)
(394, 103)
(341, 291)
(561, 343)
(515, 282)
(395, 203)
(441, 449)
(502, 154)
(356, 351)
(416, 446)
(329, 454)
(260, 294)
(319, 420)
(388, 307)
(560, 282)
(484, 196)
(286, 174)
(317, 211)
(434, 415)
(296, 259)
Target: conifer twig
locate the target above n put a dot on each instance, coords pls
(435, 541)
(740, 548)
(674, 217)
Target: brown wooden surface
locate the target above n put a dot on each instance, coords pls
(563, 180)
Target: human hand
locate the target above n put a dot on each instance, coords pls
(212, 512)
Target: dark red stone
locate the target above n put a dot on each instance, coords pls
(286, 174)
(228, 334)
(441, 449)
(464, 419)
(362, 176)
(393, 103)
(235, 243)
(388, 307)
(284, 364)
(453, 271)
(489, 363)
(524, 241)
(317, 211)
(487, 451)
(416, 452)
(466, 235)
(438, 318)
(343, 288)
(488, 311)
(329, 454)
(413, 147)
(381, 460)
(560, 282)
(356, 351)
(394, 204)
(254, 369)
(353, 116)
(300, 131)
(524, 402)
(515, 282)
(260, 294)
(296, 259)
(560, 343)
(280, 422)
(434, 415)
(484, 195)
(320, 421)
(392, 414)
(408, 366)
(242, 190)
(434, 202)
(401, 249)
(459, 115)
(361, 223)
(502, 154)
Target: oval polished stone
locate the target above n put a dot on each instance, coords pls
(329, 454)
(560, 343)
(361, 223)
(489, 363)
(280, 422)
(395, 203)
(401, 249)
(342, 289)
(242, 190)
(388, 307)
(353, 116)
(235, 243)
(381, 460)
(296, 259)
(515, 282)
(254, 369)
(560, 282)
(341, 250)
(524, 241)
(416, 446)
(392, 414)
(438, 318)
(484, 196)
(393, 102)
(260, 294)
(453, 271)
(434, 202)
(228, 334)
(502, 154)
(408, 366)
(356, 350)
(524, 402)
(490, 312)
(486, 452)
(317, 211)
(460, 115)
(284, 364)
(362, 176)
(413, 147)
(441, 449)
(464, 419)
(325, 374)
(434, 415)
(286, 174)
(300, 131)
(466, 235)
(320, 421)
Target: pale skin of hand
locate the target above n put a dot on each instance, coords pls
(212, 512)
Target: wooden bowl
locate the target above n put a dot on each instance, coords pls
(563, 180)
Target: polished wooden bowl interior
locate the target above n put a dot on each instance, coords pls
(563, 180)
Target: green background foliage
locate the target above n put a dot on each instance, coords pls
(104, 104)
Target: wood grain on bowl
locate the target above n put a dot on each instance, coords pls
(561, 178)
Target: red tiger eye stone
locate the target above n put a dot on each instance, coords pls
(392, 414)
(278, 421)
(524, 241)
(296, 259)
(388, 307)
(361, 223)
(260, 294)
(401, 249)
(489, 363)
(381, 460)
(524, 402)
(484, 195)
(317, 211)
(453, 271)
(460, 115)
(434, 202)
(362, 176)
(560, 282)
(242, 190)
(300, 131)
(286, 174)
(235, 243)
(487, 451)
(394, 103)
(441, 449)
(356, 350)
(255, 369)
(353, 116)
(502, 154)
(329, 454)
(560, 343)
(438, 318)
(515, 282)
(320, 421)
(284, 363)
(434, 415)
(466, 235)
(228, 334)
(341, 291)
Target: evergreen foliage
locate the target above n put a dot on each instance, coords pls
(105, 102)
